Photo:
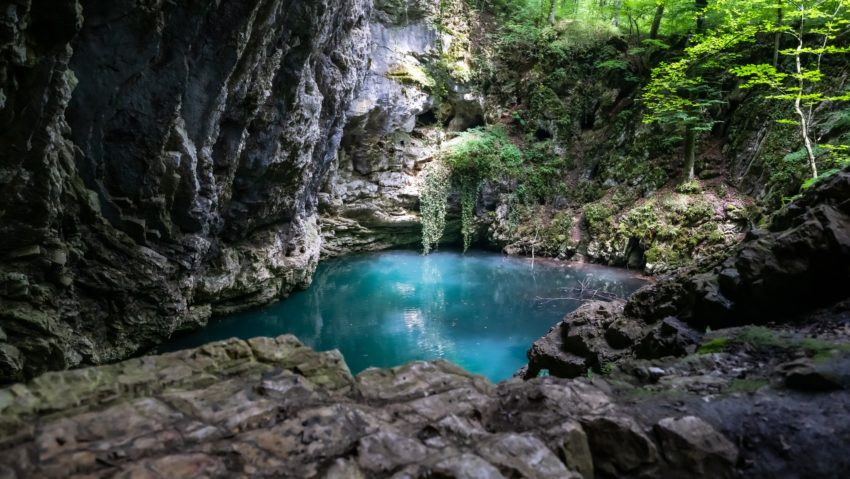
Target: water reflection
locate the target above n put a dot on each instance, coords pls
(481, 310)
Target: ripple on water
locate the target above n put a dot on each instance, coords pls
(480, 310)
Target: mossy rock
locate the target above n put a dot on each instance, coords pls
(411, 72)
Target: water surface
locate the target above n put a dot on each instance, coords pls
(480, 310)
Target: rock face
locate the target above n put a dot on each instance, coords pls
(274, 407)
(161, 162)
(370, 199)
(801, 263)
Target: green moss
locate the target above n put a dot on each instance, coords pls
(557, 232)
(624, 197)
(648, 393)
(644, 174)
(641, 223)
(822, 350)
(717, 345)
(586, 192)
(548, 109)
(746, 385)
(763, 338)
(689, 187)
(410, 72)
(697, 213)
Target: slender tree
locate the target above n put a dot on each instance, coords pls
(701, 6)
(777, 36)
(656, 20)
(681, 93)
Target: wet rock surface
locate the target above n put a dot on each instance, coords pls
(274, 407)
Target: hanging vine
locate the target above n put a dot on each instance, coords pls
(468, 198)
(433, 204)
(466, 162)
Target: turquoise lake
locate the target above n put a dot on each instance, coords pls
(480, 310)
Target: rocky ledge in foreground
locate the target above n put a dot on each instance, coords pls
(273, 407)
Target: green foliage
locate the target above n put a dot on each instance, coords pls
(473, 158)
(542, 172)
(632, 18)
(681, 92)
(572, 78)
(597, 217)
(817, 25)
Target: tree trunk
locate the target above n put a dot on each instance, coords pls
(656, 21)
(615, 17)
(798, 107)
(777, 39)
(552, 12)
(701, 5)
(690, 153)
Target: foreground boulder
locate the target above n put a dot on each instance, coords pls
(274, 407)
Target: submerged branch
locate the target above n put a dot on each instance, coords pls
(583, 293)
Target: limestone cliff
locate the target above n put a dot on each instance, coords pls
(160, 163)
(397, 122)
